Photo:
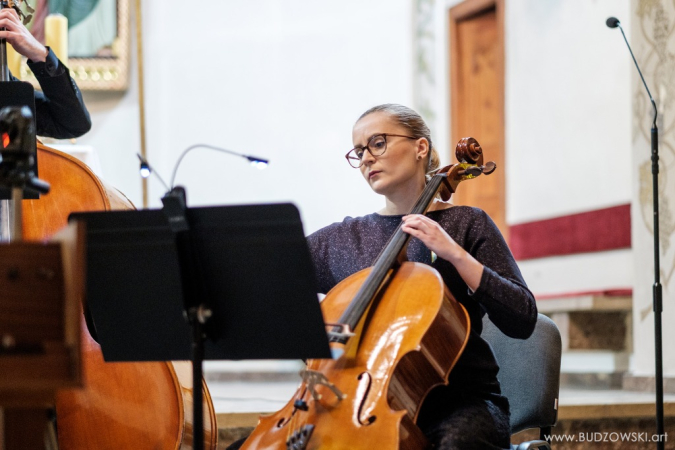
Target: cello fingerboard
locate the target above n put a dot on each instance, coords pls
(388, 259)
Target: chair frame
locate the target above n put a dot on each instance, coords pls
(537, 408)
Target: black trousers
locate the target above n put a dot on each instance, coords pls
(471, 422)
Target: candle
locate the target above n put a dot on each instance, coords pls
(56, 35)
(14, 61)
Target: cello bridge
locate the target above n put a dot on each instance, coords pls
(314, 378)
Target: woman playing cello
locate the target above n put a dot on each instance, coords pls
(393, 151)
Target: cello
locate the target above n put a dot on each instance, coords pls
(123, 405)
(396, 332)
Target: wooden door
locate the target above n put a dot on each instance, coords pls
(477, 98)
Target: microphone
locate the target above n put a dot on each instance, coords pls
(612, 22)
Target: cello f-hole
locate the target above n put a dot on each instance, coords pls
(298, 404)
(366, 385)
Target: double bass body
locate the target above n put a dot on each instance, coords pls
(122, 405)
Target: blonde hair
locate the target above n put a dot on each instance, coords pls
(409, 119)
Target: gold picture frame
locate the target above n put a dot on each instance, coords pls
(100, 73)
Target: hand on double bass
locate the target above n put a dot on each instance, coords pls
(439, 241)
(19, 37)
(60, 111)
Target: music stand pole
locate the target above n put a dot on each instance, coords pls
(175, 205)
(198, 317)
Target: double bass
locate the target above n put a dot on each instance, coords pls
(396, 332)
(122, 405)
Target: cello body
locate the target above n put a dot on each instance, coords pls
(385, 372)
(122, 405)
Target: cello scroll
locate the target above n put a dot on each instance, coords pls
(469, 153)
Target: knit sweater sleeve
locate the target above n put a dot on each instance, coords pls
(502, 291)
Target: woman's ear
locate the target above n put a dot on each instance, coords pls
(422, 148)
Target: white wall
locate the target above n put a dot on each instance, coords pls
(568, 130)
(568, 108)
(596, 271)
(282, 80)
(287, 80)
(567, 125)
(567, 105)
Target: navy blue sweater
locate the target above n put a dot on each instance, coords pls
(343, 248)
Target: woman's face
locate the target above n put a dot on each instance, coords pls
(402, 166)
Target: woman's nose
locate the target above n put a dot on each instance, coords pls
(367, 158)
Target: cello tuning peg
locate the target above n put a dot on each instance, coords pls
(488, 168)
(472, 170)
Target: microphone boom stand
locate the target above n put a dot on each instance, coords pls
(657, 298)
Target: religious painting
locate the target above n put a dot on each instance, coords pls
(97, 40)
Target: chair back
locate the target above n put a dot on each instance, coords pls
(529, 373)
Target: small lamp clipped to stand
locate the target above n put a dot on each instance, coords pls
(196, 311)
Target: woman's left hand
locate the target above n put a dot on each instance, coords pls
(439, 241)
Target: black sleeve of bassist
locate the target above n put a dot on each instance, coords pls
(59, 109)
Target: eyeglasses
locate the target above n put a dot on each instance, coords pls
(376, 145)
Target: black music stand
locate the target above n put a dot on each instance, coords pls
(241, 274)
